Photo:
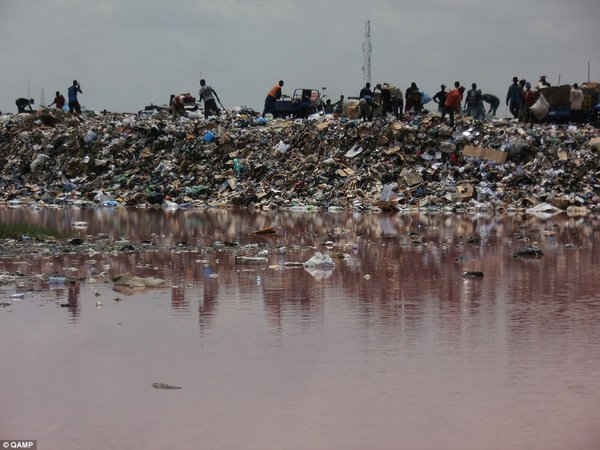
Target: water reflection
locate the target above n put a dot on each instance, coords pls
(393, 266)
(394, 330)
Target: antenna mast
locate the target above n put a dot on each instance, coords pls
(367, 49)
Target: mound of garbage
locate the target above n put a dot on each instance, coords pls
(323, 162)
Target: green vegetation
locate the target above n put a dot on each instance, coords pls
(18, 230)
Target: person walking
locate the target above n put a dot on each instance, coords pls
(453, 102)
(74, 89)
(273, 95)
(210, 97)
(440, 98)
(514, 97)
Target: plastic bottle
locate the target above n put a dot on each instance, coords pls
(237, 167)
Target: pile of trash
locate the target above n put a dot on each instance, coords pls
(242, 160)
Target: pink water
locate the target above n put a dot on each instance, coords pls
(416, 357)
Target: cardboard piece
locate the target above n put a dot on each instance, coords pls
(485, 153)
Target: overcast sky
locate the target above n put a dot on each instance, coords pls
(127, 54)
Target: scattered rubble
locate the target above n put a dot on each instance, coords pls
(529, 252)
(129, 281)
(110, 160)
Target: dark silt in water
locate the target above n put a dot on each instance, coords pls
(392, 349)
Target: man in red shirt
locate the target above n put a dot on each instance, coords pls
(529, 97)
(453, 101)
(59, 101)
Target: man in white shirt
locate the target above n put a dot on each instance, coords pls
(576, 100)
(208, 94)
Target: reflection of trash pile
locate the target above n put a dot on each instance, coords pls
(114, 159)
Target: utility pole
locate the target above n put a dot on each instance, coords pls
(367, 49)
(589, 71)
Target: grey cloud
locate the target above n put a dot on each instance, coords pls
(129, 53)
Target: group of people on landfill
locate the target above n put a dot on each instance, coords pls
(521, 97)
(385, 98)
(449, 102)
(25, 104)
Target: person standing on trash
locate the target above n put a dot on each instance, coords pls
(576, 100)
(24, 105)
(273, 95)
(338, 107)
(474, 103)
(366, 92)
(514, 98)
(440, 98)
(59, 101)
(413, 98)
(493, 101)
(386, 99)
(397, 102)
(366, 102)
(209, 95)
(453, 102)
(529, 98)
(74, 89)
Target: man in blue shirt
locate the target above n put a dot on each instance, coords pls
(73, 103)
(514, 97)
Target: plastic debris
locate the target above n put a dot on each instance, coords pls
(302, 165)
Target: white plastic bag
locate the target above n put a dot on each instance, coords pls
(540, 108)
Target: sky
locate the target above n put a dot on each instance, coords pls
(130, 53)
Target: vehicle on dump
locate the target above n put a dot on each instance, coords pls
(302, 104)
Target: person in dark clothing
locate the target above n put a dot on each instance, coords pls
(397, 101)
(543, 83)
(474, 103)
(72, 94)
(209, 95)
(493, 101)
(59, 101)
(514, 98)
(366, 102)
(328, 108)
(338, 107)
(273, 95)
(24, 105)
(413, 98)
(366, 92)
(386, 99)
(440, 98)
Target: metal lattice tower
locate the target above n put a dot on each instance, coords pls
(367, 49)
